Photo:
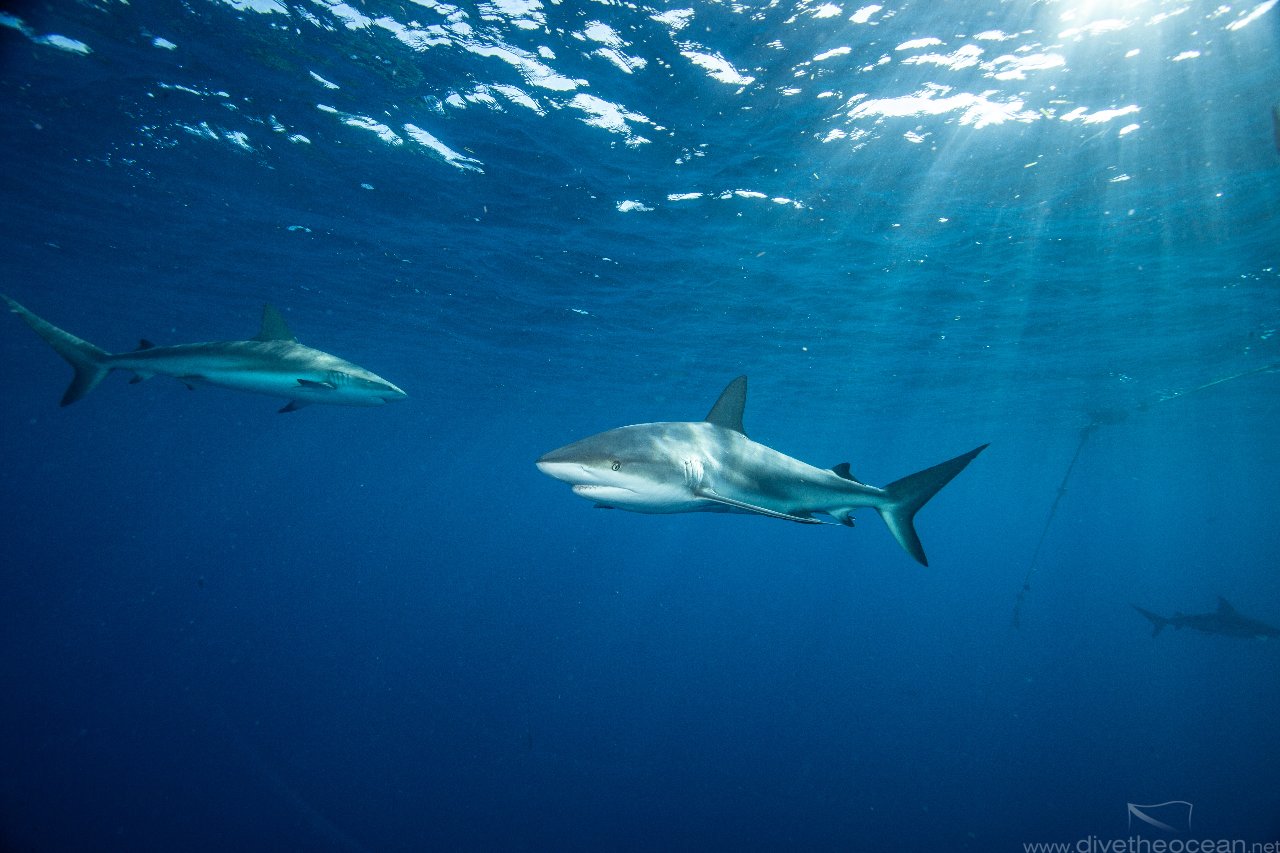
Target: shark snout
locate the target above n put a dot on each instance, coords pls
(567, 472)
(568, 466)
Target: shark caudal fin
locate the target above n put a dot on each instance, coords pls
(1158, 622)
(907, 495)
(87, 360)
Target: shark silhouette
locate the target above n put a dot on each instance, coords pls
(273, 363)
(1226, 621)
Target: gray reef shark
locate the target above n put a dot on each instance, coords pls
(1226, 620)
(273, 363)
(711, 466)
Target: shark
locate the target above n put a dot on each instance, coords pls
(712, 466)
(1226, 621)
(272, 363)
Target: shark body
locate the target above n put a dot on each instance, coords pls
(273, 363)
(1225, 621)
(712, 466)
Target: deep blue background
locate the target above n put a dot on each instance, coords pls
(224, 628)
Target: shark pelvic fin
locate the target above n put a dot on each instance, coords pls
(274, 328)
(85, 359)
(727, 412)
(293, 406)
(707, 494)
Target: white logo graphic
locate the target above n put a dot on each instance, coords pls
(1173, 816)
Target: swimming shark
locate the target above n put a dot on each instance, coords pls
(1226, 620)
(272, 363)
(711, 466)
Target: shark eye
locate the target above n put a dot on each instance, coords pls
(616, 465)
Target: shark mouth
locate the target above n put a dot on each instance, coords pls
(587, 489)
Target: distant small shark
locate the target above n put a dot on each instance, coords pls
(1226, 620)
(711, 466)
(273, 363)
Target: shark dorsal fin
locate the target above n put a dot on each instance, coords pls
(842, 470)
(274, 328)
(1224, 606)
(144, 344)
(727, 412)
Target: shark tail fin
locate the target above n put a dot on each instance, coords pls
(908, 495)
(88, 361)
(1158, 622)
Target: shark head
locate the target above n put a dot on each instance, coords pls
(320, 377)
(389, 392)
(368, 387)
(628, 468)
(312, 376)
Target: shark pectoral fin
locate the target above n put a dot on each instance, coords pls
(317, 386)
(293, 406)
(707, 494)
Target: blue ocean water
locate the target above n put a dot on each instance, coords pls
(917, 227)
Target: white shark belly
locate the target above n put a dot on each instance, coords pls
(255, 382)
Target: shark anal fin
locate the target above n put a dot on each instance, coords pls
(727, 412)
(274, 328)
(293, 406)
(707, 494)
(318, 386)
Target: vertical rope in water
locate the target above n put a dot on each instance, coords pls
(1048, 522)
(1100, 418)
